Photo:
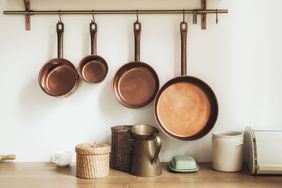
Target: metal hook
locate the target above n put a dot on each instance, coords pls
(183, 15)
(216, 16)
(60, 18)
(195, 17)
(93, 18)
(137, 16)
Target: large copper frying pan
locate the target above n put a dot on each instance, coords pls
(93, 68)
(136, 83)
(58, 77)
(186, 107)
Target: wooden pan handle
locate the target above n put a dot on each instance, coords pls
(137, 35)
(7, 157)
(183, 31)
(93, 36)
(60, 31)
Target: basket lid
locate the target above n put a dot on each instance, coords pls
(121, 128)
(93, 148)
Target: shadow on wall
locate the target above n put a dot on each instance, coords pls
(145, 115)
(34, 104)
(106, 139)
(109, 105)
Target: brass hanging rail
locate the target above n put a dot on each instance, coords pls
(203, 11)
(167, 11)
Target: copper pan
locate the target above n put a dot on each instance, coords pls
(136, 83)
(58, 77)
(186, 107)
(93, 68)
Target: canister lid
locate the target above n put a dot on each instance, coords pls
(93, 149)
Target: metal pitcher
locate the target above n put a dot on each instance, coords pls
(147, 147)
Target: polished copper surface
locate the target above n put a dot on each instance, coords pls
(136, 83)
(93, 68)
(186, 108)
(58, 77)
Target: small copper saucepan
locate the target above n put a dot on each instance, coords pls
(136, 83)
(93, 68)
(186, 107)
(58, 77)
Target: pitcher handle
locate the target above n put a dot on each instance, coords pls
(158, 145)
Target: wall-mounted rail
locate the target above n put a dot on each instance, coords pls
(203, 12)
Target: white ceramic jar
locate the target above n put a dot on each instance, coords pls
(62, 158)
(227, 151)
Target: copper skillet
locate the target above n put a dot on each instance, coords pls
(58, 77)
(186, 108)
(93, 68)
(136, 83)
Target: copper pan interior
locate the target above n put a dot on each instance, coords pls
(93, 69)
(58, 77)
(186, 108)
(136, 84)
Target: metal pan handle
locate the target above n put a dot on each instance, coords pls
(183, 31)
(137, 33)
(93, 35)
(158, 145)
(60, 32)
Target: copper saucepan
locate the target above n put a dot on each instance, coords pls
(58, 77)
(186, 108)
(93, 68)
(136, 83)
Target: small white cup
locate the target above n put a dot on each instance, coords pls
(227, 151)
(62, 158)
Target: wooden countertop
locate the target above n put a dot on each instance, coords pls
(40, 175)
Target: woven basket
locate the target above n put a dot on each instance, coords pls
(122, 148)
(92, 160)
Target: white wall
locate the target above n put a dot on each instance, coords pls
(240, 58)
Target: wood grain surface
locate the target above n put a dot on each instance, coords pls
(28, 175)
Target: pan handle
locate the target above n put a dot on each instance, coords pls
(183, 31)
(93, 36)
(137, 33)
(60, 31)
(158, 149)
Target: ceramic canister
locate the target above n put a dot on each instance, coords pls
(227, 151)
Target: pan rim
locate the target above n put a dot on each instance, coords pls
(212, 100)
(60, 62)
(92, 59)
(127, 67)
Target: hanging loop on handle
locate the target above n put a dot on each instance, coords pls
(93, 35)
(183, 32)
(137, 35)
(60, 31)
